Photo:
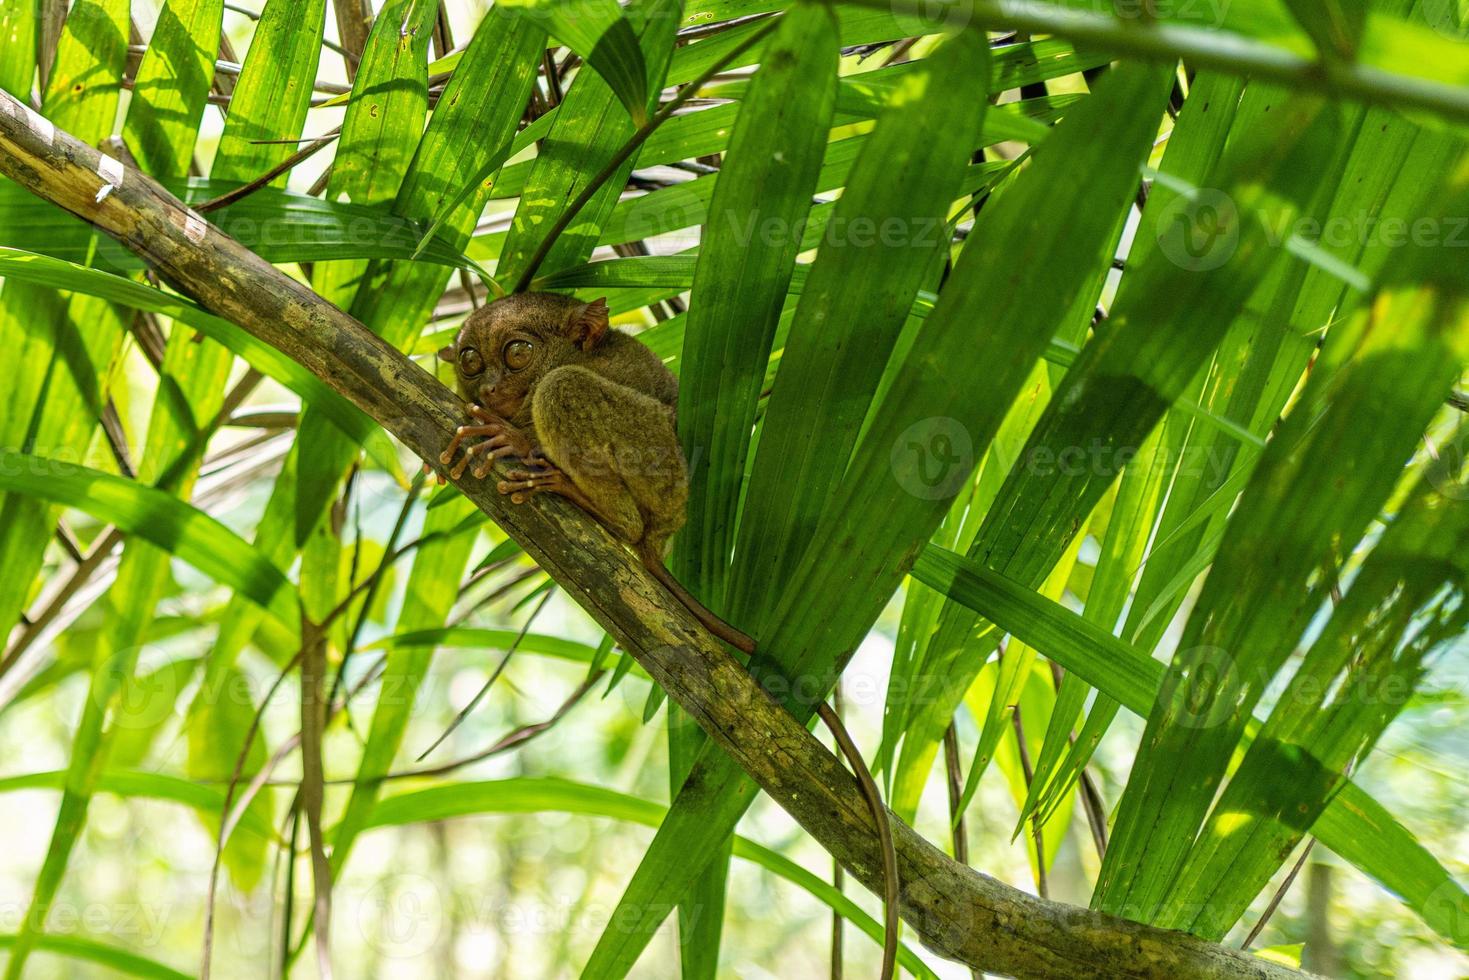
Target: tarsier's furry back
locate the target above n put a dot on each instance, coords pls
(592, 401)
(589, 411)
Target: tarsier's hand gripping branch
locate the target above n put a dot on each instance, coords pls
(588, 413)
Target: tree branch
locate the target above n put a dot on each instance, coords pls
(957, 911)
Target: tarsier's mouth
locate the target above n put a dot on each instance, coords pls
(502, 405)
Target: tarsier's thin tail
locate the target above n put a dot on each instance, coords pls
(740, 641)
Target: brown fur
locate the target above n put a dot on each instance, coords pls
(593, 401)
(589, 413)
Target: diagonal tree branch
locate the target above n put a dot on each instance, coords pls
(957, 911)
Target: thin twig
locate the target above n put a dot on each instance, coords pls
(553, 80)
(117, 441)
(375, 583)
(1278, 896)
(955, 779)
(706, 30)
(504, 743)
(1096, 811)
(838, 876)
(628, 149)
(289, 901)
(443, 33)
(247, 12)
(1290, 878)
(884, 835)
(68, 541)
(149, 336)
(494, 676)
(354, 25)
(264, 179)
(958, 829)
(1091, 797)
(280, 860)
(510, 740)
(274, 420)
(229, 817)
(533, 572)
(1042, 888)
(80, 575)
(313, 789)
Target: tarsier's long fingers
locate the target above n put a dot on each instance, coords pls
(498, 446)
(521, 485)
(469, 453)
(462, 433)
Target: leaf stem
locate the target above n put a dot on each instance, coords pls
(1201, 47)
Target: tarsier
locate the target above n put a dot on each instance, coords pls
(588, 413)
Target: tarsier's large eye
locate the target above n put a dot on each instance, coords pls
(470, 362)
(517, 354)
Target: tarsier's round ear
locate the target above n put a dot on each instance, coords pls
(589, 324)
(448, 353)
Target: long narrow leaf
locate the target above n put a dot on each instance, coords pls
(1354, 825)
(1373, 391)
(870, 537)
(775, 155)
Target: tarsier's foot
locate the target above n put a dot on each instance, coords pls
(501, 440)
(521, 485)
